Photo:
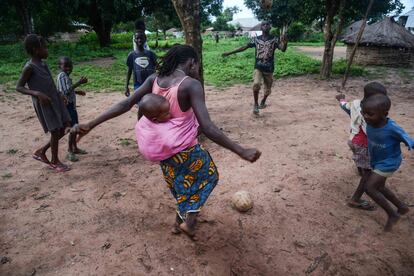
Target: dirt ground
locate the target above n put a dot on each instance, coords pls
(111, 215)
(317, 52)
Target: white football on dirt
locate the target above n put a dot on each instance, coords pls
(242, 201)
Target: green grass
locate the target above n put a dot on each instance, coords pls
(218, 71)
(7, 175)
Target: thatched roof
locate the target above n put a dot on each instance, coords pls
(354, 27)
(385, 33)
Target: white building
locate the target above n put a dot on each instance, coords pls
(247, 26)
(407, 20)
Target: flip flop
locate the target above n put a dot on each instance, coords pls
(81, 151)
(60, 168)
(256, 110)
(262, 106)
(72, 157)
(38, 158)
(363, 205)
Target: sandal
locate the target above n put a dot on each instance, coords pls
(38, 158)
(262, 106)
(256, 110)
(80, 151)
(363, 205)
(72, 157)
(60, 168)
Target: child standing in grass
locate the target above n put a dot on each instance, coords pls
(141, 62)
(47, 101)
(358, 141)
(264, 66)
(65, 86)
(384, 144)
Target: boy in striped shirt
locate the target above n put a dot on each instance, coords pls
(65, 86)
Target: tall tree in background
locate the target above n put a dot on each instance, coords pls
(281, 15)
(332, 15)
(221, 21)
(189, 13)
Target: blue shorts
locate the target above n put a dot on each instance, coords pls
(136, 86)
(71, 107)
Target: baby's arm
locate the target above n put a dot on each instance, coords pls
(343, 103)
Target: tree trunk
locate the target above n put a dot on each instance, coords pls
(351, 57)
(26, 18)
(101, 26)
(156, 38)
(164, 32)
(189, 13)
(332, 7)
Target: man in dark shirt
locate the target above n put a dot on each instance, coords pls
(141, 61)
(264, 65)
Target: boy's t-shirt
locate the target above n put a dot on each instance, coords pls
(384, 146)
(142, 64)
(64, 86)
(265, 53)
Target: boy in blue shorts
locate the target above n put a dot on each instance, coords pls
(141, 62)
(384, 139)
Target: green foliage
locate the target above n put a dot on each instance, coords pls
(221, 21)
(110, 76)
(296, 31)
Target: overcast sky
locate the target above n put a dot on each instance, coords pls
(246, 13)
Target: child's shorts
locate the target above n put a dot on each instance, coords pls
(360, 155)
(73, 113)
(384, 174)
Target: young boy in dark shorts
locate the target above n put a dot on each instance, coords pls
(384, 144)
(266, 46)
(67, 88)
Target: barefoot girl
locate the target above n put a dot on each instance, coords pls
(188, 168)
(47, 102)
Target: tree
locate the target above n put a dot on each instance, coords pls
(331, 14)
(163, 21)
(337, 13)
(189, 13)
(221, 21)
(281, 15)
(209, 8)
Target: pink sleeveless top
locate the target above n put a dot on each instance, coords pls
(160, 141)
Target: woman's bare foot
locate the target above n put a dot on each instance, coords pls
(176, 229)
(404, 210)
(391, 222)
(188, 231)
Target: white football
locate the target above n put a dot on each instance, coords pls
(242, 201)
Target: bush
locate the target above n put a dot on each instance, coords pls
(296, 31)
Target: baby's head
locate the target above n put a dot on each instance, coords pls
(155, 107)
(375, 109)
(374, 88)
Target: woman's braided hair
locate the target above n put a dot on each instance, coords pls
(178, 54)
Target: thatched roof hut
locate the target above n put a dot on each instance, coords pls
(382, 43)
(354, 27)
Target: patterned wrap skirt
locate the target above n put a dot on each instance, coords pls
(191, 176)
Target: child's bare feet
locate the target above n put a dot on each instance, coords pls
(404, 210)
(40, 156)
(391, 222)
